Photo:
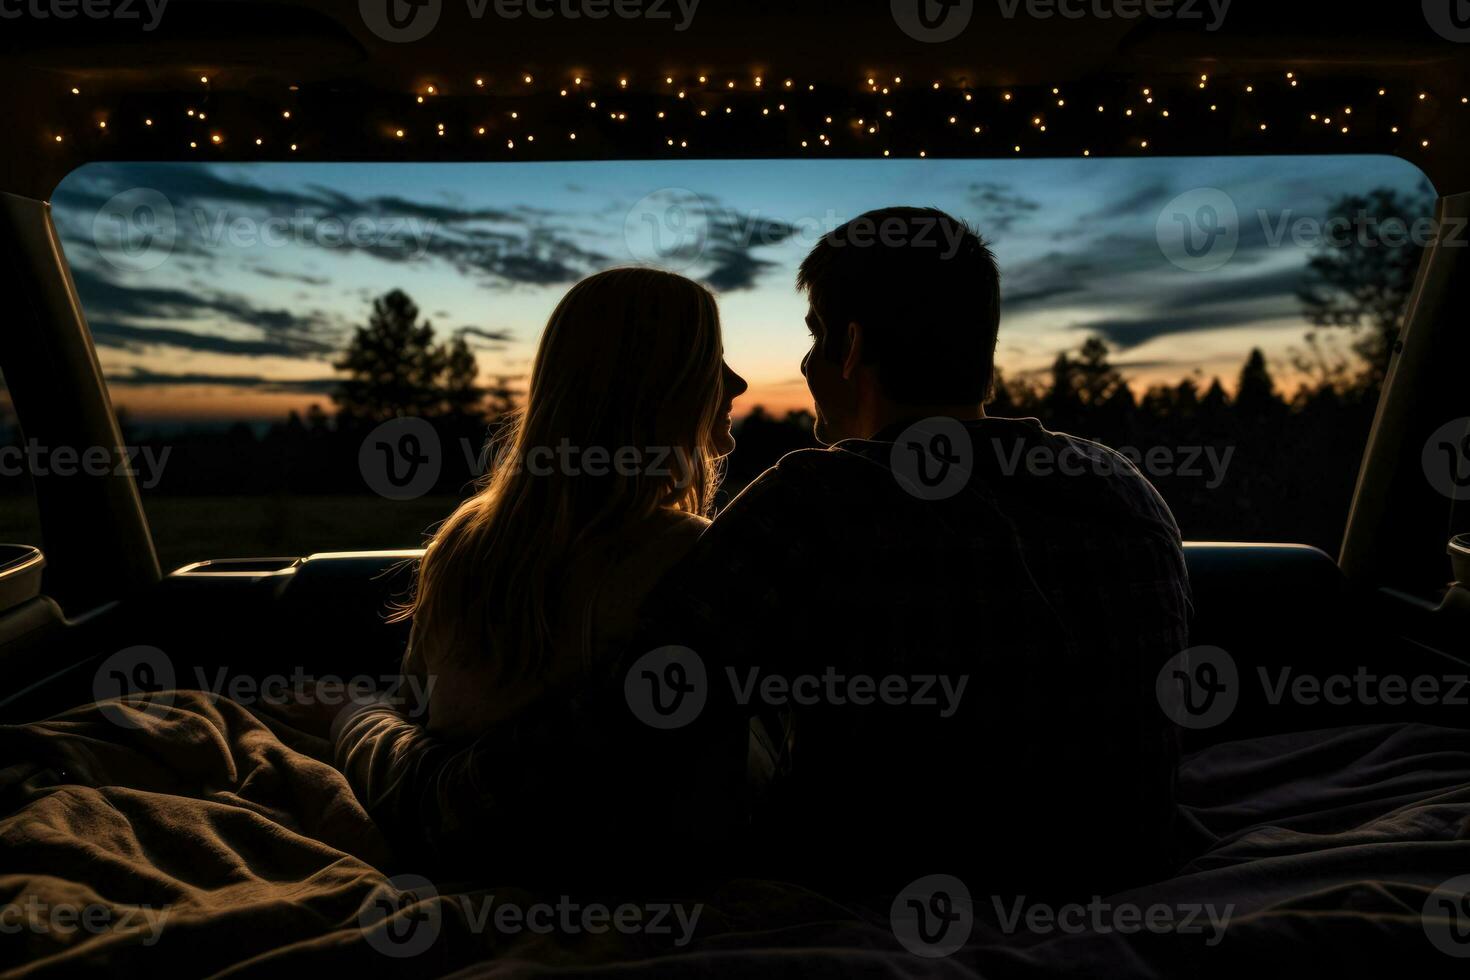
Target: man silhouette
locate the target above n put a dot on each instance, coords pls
(947, 628)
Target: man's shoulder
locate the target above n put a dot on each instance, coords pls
(801, 472)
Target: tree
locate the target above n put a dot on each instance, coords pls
(462, 395)
(1363, 278)
(1096, 380)
(395, 368)
(1255, 393)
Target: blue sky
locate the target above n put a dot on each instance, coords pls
(221, 291)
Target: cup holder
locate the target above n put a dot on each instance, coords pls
(251, 568)
(1459, 550)
(20, 574)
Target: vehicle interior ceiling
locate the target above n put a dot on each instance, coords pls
(1386, 596)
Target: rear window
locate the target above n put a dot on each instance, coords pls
(1224, 322)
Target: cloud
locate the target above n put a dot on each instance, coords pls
(1000, 207)
(513, 246)
(302, 278)
(1143, 200)
(140, 377)
(497, 339)
(109, 305)
(111, 333)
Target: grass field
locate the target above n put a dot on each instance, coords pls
(188, 529)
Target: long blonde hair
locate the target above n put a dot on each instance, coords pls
(631, 358)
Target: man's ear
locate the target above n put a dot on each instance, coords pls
(854, 350)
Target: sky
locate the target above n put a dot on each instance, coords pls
(224, 291)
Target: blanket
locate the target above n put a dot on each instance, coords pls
(191, 836)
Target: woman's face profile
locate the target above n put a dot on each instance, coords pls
(732, 386)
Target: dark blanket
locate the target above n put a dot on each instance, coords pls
(197, 839)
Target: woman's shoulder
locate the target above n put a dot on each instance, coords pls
(662, 539)
(679, 523)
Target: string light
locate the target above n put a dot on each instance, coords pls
(858, 126)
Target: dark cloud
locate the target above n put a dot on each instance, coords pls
(140, 377)
(109, 304)
(302, 278)
(496, 340)
(508, 246)
(732, 238)
(110, 333)
(1144, 200)
(999, 206)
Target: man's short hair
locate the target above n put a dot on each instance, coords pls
(926, 289)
